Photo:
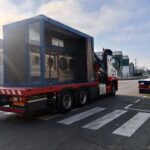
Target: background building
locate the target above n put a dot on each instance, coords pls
(1, 62)
(117, 62)
(125, 68)
(131, 69)
(121, 64)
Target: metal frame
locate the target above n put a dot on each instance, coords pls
(43, 20)
(56, 23)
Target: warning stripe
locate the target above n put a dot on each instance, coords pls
(2, 91)
(11, 92)
(8, 92)
(19, 93)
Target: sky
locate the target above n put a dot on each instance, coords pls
(120, 25)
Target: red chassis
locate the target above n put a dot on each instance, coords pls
(24, 100)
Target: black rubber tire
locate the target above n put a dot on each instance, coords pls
(65, 101)
(82, 97)
(113, 93)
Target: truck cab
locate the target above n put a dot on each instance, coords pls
(106, 73)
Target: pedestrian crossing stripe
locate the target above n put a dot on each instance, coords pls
(132, 125)
(81, 116)
(127, 129)
(100, 122)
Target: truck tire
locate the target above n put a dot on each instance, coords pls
(82, 98)
(113, 92)
(65, 101)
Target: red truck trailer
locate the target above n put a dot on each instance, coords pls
(48, 64)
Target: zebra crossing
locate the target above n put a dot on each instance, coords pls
(127, 129)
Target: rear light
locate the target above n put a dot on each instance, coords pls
(142, 85)
(18, 101)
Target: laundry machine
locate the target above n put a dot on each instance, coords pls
(35, 64)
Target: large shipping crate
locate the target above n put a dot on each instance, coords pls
(40, 51)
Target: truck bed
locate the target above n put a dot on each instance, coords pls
(28, 91)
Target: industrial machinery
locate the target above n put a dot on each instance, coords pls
(34, 64)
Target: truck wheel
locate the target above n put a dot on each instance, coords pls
(65, 101)
(82, 97)
(113, 92)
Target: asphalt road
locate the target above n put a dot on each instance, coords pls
(109, 123)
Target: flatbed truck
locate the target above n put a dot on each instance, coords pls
(40, 85)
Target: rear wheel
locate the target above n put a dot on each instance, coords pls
(82, 97)
(65, 101)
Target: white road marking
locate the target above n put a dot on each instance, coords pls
(100, 122)
(81, 116)
(48, 117)
(129, 128)
(128, 106)
(139, 99)
(142, 110)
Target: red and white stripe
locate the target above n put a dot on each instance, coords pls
(11, 92)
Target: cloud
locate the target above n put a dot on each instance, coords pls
(9, 13)
(117, 23)
(14, 10)
(68, 12)
(105, 19)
